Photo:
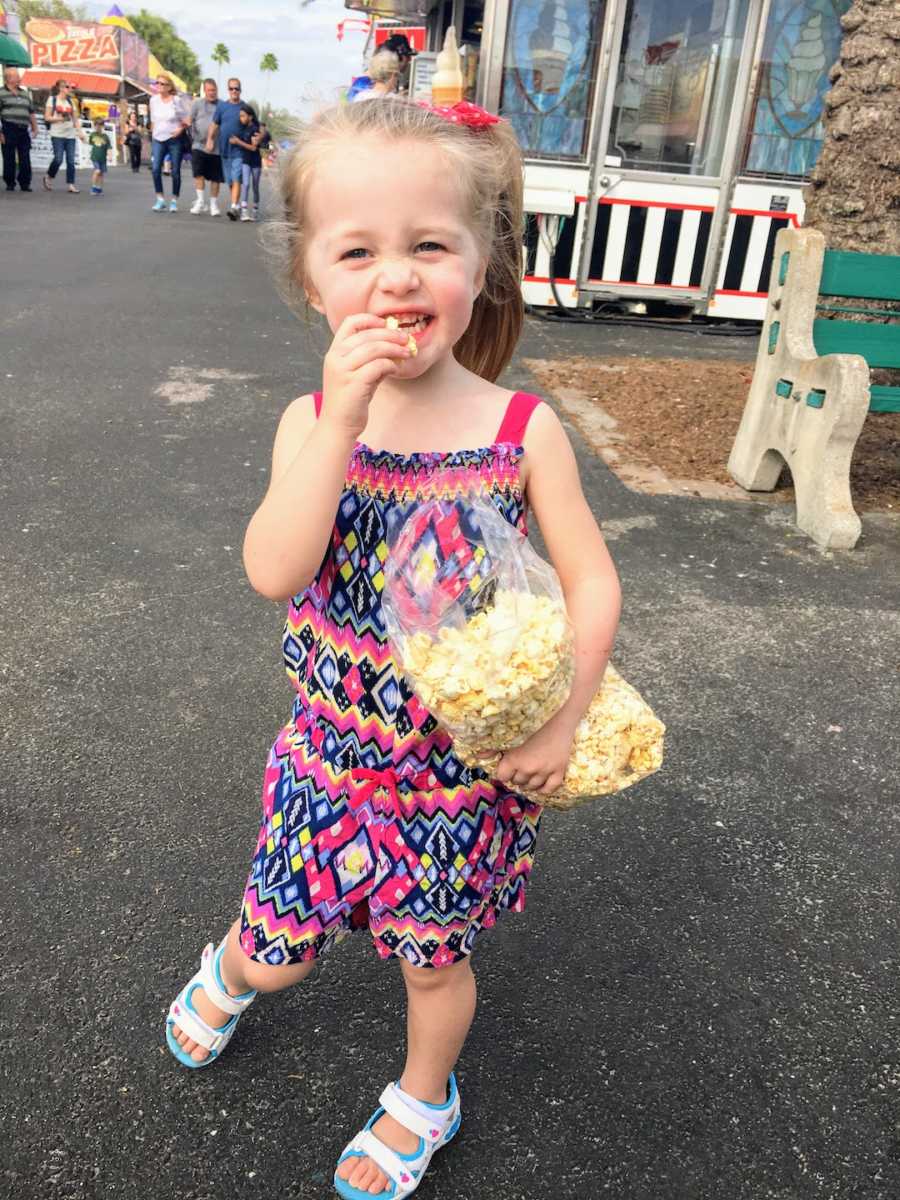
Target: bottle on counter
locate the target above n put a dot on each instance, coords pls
(447, 84)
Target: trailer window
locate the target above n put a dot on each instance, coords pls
(675, 84)
(802, 43)
(549, 70)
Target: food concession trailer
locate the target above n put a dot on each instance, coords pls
(666, 141)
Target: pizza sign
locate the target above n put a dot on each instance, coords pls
(70, 44)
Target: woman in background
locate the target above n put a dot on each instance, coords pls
(61, 115)
(168, 120)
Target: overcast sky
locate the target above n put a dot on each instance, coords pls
(303, 37)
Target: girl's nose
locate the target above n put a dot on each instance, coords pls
(397, 275)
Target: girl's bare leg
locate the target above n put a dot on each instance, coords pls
(441, 1008)
(239, 974)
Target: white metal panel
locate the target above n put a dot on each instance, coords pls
(687, 244)
(653, 231)
(615, 243)
(756, 248)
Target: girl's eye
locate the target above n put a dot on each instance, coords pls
(357, 252)
(429, 246)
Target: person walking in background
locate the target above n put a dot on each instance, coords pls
(226, 124)
(135, 142)
(18, 125)
(248, 144)
(384, 72)
(61, 115)
(168, 120)
(100, 146)
(207, 165)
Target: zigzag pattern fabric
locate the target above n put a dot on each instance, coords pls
(369, 819)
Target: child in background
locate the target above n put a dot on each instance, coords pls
(370, 821)
(248, 145)
(100, 144)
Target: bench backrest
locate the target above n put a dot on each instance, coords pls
(849, 275)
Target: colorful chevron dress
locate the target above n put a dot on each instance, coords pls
(369, 819)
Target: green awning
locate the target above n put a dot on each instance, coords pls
(13, 53)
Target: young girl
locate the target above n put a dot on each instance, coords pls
(248, 144)
(369, 820)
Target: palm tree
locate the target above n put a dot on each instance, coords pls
(853, 197)
(854, 193)
(268, 63)
(219, 56)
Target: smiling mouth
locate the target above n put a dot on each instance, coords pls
(411, 324)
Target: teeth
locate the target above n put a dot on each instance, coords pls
(417, 324)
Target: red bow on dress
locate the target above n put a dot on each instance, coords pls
(462, 113)
(373, 782)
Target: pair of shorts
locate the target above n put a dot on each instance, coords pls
(206, 166)
(424, 861)
(232, 168)
(99, 166)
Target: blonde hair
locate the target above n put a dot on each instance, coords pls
(488, 163)
(383, 65)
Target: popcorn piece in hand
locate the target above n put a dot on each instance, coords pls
(411, 344)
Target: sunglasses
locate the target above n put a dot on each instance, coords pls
(231, 89)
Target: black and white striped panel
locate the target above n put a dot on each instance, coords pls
(653, 244)
(748, 262)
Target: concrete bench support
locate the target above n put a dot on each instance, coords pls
(802, 410)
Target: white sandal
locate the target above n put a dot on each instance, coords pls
(404, 1171)
(183, 1014)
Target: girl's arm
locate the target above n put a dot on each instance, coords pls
(591, 589)
(289, 533)
(578, 552)
(236, 141)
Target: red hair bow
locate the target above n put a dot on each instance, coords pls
(462, 113)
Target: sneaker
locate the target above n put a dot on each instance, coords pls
(254, 213)
(173, 206)
(232, 213)
(159, 206)
(245, 214)
(96, 191)
(199, 205)
(214, 208)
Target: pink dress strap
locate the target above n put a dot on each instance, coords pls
(317, 396)
(515, 420)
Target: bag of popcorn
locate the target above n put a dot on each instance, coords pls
(618, 742)
(478, 625)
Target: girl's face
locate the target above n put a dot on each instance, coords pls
(389, 235)
(244, 118)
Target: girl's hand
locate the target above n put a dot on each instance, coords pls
(233, 140)
(363, 353)
(539, 764)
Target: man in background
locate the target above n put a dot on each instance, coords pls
(18, 125)
(207, 164)
(226, 124)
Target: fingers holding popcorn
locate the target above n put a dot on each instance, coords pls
(363, 353)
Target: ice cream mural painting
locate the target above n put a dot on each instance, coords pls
(547, 74)
(802, 41)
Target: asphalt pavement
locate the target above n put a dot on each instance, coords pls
(701, 1000)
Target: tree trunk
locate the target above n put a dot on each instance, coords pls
(854, 193)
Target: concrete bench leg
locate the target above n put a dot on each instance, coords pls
(802, 410)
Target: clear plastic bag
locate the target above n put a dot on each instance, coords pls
(618, 742)
(478, 625)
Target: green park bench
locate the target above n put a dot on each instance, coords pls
(811, 387)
